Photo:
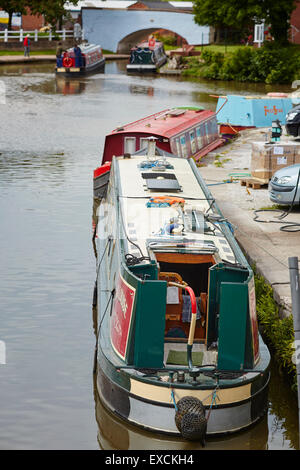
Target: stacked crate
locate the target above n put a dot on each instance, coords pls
(267, 158)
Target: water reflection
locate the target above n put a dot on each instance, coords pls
(21, 167)
(24, 69)
(284, 426)
(69, 87)
(139, 89)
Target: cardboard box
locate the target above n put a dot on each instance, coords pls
(267, 158)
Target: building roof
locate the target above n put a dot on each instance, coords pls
(124, 4)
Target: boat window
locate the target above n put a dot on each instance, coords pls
(215, 128)
(183, 146)
(193, 141)
(206, 131)
(199, 138)
(144, 143)
(178, 150)
(129, 145)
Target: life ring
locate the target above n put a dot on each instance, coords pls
(278, 94)
(151, 42)
(67, 62)
(169, 199)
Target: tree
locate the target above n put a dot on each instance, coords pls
(236, 13)
(13, 6)
(53, 11)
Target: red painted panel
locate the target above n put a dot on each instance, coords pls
(121, 316)
(102, 169)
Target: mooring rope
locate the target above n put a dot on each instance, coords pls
(213, 401)
(173, 398)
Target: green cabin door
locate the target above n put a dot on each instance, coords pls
(228, 315)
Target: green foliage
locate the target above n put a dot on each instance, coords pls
(268, 64)
(168, 40)
(53, 11)
(230, 13)
(279, 332)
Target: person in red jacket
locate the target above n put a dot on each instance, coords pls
(26, 44)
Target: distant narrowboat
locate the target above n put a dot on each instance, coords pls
(238, 112)
(182, 131)
(147, 56)
(178, 346)
(88, 59)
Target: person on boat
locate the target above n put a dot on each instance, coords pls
(59, 49)
(78, 56)
(59, 52)
(26, 44)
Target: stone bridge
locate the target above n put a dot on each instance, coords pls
(119, 25)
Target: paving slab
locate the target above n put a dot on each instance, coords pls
(262, 241)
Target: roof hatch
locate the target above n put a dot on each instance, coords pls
(161, 181)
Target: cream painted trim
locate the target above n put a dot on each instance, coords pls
(160, 394)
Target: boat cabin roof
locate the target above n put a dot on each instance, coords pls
(145, 45)
(168, 122)
(87, 48)
(146, 224)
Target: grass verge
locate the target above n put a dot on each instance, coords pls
(278, 332)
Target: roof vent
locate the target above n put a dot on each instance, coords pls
(176, 112)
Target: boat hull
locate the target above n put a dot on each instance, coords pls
(134, 68)
(146, 68)
(150, 406)
(232, 131)
(80, 71)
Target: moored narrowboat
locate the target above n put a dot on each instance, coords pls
(236, 113)
(148, 56)
(178, 346)
(81, 60)
(182, 131)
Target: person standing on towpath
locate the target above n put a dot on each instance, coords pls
(26, 44)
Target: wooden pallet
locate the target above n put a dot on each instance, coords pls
(252, 183)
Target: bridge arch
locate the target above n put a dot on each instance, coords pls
(109, 27)
(129, 41)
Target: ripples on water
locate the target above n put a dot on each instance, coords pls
(51, 138)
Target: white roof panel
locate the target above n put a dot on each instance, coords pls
(99, 4)
(182, 4)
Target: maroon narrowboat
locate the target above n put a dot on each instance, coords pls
(183, 131)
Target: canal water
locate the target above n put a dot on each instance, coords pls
(51, 138)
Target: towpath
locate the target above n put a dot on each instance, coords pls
(264, 243)
(20, 59)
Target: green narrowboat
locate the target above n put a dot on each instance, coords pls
(178, 346)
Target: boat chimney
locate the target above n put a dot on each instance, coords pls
(151, 148)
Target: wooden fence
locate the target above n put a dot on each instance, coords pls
(36, 35)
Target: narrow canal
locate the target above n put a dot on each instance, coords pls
(51, 138)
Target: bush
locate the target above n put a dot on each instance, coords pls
(268, 64)
(279, 332)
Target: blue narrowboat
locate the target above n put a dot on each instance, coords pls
(238, 112)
